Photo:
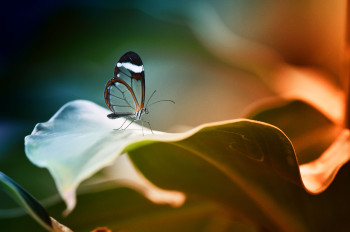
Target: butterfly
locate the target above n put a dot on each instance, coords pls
(125, 92)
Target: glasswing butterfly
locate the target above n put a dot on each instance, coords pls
(125, 92)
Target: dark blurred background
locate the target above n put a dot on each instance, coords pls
(59, 51)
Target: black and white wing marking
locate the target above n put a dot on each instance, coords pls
(125, 92)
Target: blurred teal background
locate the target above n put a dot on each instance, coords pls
(58, 51)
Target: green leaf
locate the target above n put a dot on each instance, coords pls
(244, 165)
(34, 208)
(310, 131)
(123, 209)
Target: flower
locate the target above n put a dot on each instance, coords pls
(79, 140)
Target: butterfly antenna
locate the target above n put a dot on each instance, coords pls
(161, 101)
(150, 97)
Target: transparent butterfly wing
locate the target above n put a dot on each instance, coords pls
(119, 99)
(125, 93)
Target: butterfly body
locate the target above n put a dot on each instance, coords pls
(137, 115)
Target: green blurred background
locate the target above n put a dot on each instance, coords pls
(58, 51)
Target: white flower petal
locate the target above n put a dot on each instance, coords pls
(76, 142)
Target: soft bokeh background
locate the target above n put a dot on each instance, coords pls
(211, 57)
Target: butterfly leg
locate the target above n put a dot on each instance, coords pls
(126, 119)
(121, 125)
(142, 128)
(149, 125)
(133, 120)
